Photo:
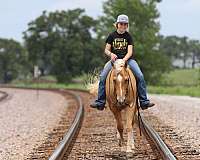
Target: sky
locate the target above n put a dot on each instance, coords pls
(177, 17)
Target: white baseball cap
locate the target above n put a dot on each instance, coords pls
(122, 18)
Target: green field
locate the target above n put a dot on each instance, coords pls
(190, 91)
(182, 77)
(51, 85)
(177, 90)
(177, 82)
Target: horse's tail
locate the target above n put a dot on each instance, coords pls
(93, 83)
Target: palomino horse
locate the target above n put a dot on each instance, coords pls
(121, 94)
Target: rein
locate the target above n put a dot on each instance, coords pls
(139, 116)
(109, 87)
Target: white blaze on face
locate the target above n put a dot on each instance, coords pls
(119, 64)
(119, 77)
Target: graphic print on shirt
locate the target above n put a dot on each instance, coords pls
(120, 43)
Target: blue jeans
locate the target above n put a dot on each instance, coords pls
(141, 85)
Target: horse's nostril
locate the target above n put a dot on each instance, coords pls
(121, 100)
(121, 103)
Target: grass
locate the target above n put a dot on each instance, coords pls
(49, 78)
(177, 90)
(181, 77)
(51, 85)
(177, 82)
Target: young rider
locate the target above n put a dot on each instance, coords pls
(119, 44)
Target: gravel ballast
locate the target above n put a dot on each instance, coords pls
(26, 119)
(182, 115)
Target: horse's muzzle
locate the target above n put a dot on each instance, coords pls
(121, 103)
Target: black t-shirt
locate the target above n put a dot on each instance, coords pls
(119, 43)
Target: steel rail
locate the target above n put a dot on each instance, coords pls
(5, 95)
(164, 151)
(67, 139)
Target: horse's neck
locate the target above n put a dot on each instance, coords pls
(110, 86)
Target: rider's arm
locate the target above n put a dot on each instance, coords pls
(108, 52)
(129, 53)
(108, 49)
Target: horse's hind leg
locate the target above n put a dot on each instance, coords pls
(120, 127)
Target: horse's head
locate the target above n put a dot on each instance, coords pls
(120, 78)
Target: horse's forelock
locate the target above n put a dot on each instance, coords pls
(121, 72)
(119, 64)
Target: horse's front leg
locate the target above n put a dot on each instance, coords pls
(120, 128)
(130, 111)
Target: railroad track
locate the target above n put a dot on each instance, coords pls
(58, 134)
(61, 149)
(164, 151)
(146, 128)
(65, 147)
(5, 95)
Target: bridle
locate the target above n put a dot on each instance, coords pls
(137, 104)
(126, 93)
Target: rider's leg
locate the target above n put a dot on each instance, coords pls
(141, 85)
(101, 99)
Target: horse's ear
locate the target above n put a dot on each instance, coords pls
(126, 65)
(112, 63)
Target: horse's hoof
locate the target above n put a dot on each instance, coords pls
(130, 155)
(118, 136)
(132, 146)
(120, 143)
(123, 149)
(129, 150)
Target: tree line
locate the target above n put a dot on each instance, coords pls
(181, 48)
(68, 43)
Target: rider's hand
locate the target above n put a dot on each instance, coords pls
(124, 60)
(113, 57)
